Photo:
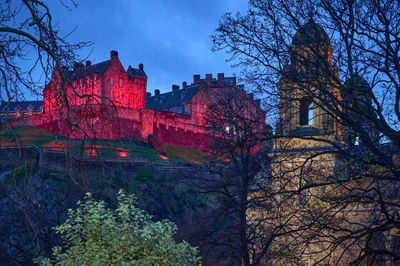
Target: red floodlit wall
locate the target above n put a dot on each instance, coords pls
(109, 103)
(181, 136)
(84, 86)
(209, 95)
(136, 124)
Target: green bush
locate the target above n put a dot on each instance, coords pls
(97, 235)
(144, 175)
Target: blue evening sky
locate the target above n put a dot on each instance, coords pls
(170, 37)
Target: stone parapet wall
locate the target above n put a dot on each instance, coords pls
(60, 161)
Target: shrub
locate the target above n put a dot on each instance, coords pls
(97, 235)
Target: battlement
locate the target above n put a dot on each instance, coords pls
(221, 80)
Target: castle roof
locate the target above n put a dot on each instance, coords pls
(23, 106)
(132, 72)
(165, 101)
(310, 33)
(81, 71)
(98, 68)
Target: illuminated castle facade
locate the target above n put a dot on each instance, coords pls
(99, 83)
(106, 101)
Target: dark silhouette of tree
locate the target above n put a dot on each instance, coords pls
(31, 44)
(33, 52)
(242, 140)
(344, 56)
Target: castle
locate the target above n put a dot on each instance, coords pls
(105, 101)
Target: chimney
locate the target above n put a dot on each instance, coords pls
(184, 85)
(156, 92)
(196, 79)
(220, 78)
(114, 55)
(234, 80)
(208, 79)
(148, 94)
(88, 63)
(251, 96)
(141, 66)
(175, 87)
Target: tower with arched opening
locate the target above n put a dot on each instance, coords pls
(307, 84)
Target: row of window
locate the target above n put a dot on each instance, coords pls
(95, 82)
(18, 112)
(112, 82)
(204, 108)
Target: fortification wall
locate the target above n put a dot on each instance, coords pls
(110, 122)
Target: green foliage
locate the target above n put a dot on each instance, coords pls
(97, 235)
(26, 135)
(186, 154)
(144, 175)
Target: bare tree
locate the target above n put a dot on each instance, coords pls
(34, 54)
(331, 70)
(31, 46)
(242, 141)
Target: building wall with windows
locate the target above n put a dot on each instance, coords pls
(106, 101)
(102, 83)
(12, 110)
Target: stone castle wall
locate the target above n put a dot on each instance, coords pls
(116, 122)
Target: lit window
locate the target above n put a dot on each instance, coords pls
(198, 107)
(227, 128)
(30, 111)
(18, 112)
(120, 82)
(95, 80)
(111, 81)
(205, 108)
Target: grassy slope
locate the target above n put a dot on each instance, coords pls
(25, 135)
(186, 154)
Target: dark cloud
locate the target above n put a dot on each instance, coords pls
(171, 38)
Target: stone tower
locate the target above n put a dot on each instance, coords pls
(308, 81)
(303, 152)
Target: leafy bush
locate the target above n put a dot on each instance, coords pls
(97, 235)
